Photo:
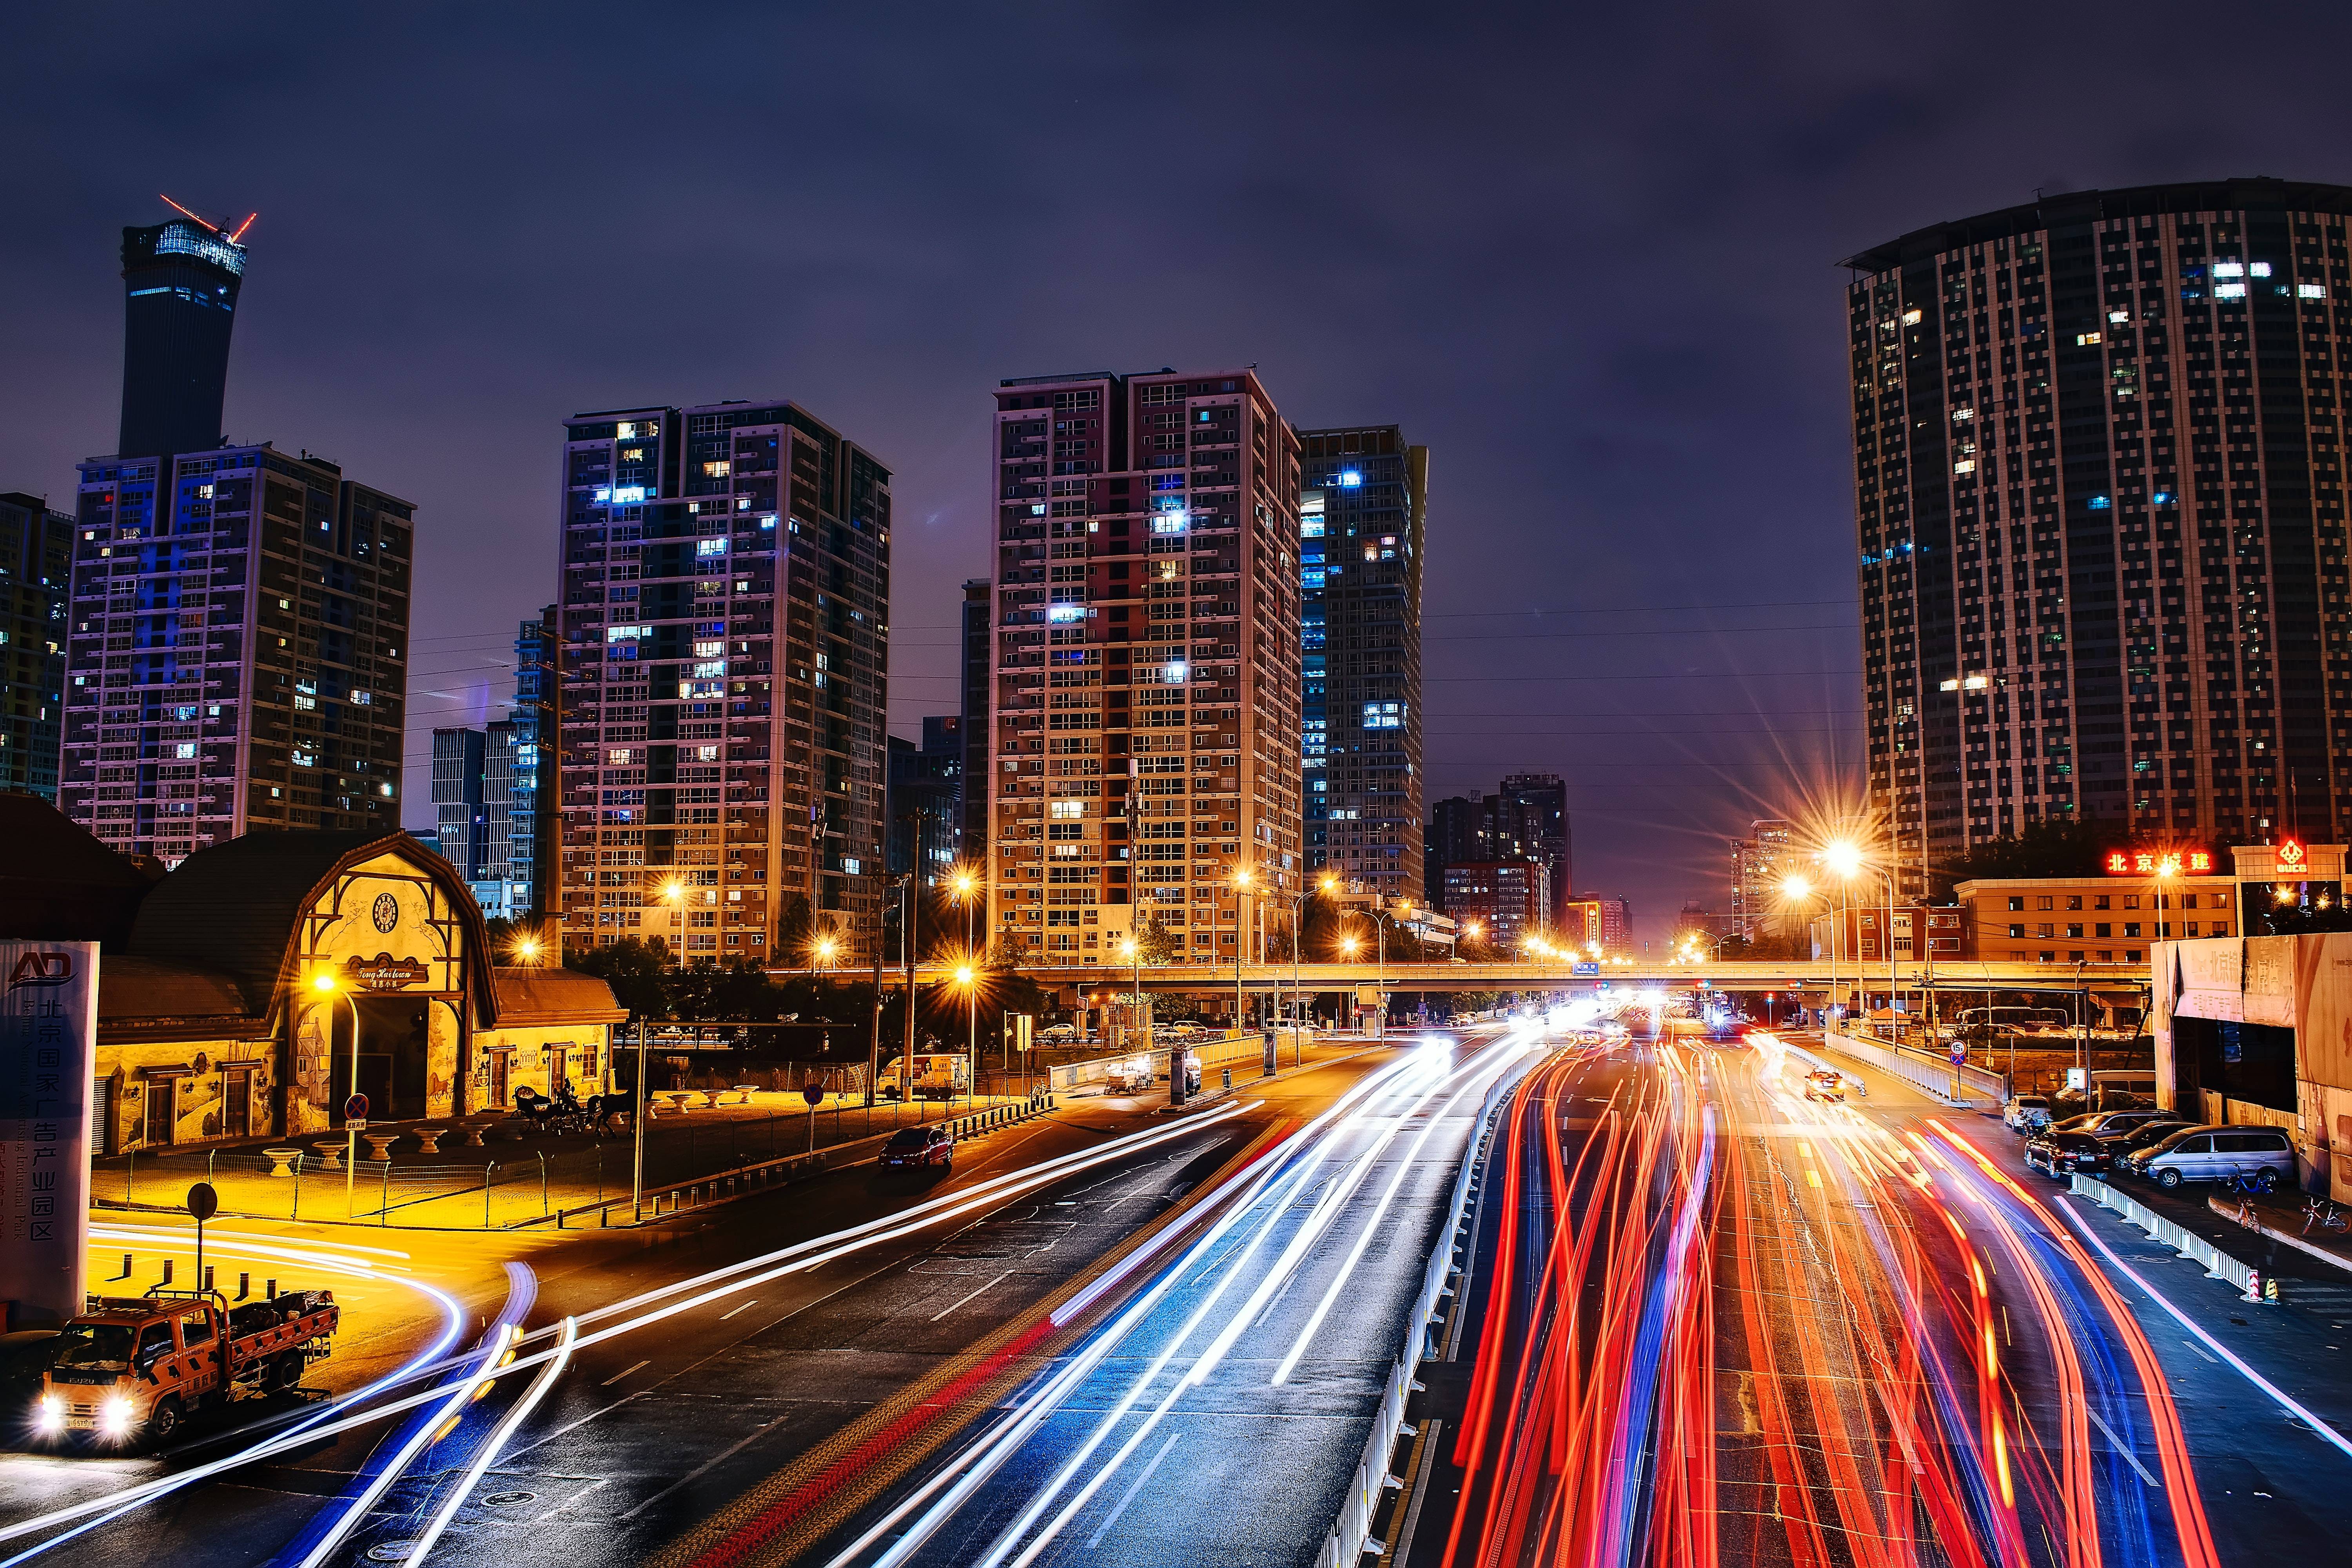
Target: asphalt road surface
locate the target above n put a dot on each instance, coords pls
(1709, 1320)
(759, 1381)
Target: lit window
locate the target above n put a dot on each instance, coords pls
(711, 669)
(1949, 685)
(2086, 340)
(2259, 269)
(2311, 291)
(184, 748)
(628, 495)
(2118, 318)
(706, 753)
(1976, 683)
(2100, 503)
(1351, 478)
(2229, 291)
(1069, 810)
(1912, 317)
(1961, 415)
(718, 470)
(709, 649)
(711, 547)
(1965, 465)
(2229, 269)
(620, 757)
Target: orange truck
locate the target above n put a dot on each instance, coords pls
(132, 1368)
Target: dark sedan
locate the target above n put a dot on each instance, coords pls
(2062, 1154)
(2145, 1134)
(913, 1147)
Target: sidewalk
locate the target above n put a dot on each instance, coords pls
(521, 1176)
(2284, 1220)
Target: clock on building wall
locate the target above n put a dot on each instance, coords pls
(386, 912)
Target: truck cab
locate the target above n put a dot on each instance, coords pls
(132, 1368)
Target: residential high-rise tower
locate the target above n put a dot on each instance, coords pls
(725, 623)
(1145, 687)
(1363, 501)
(2098, 449)
(238, 655)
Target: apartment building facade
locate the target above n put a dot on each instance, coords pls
(724, 665)
(1145, 665)
(36, 575)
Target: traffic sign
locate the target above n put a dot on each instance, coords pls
(355, 1107)
(1582, 969)
(354, 1123)
(812, 1092)
(1959, 1055)
(203, 1202)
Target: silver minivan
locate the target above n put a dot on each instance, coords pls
(2216, 1153)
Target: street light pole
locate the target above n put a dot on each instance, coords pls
(638, 1127)
(326, 983)
(1240, 882)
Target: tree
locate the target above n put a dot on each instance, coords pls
(2053, 847)
(1156, 941)
(637, 972)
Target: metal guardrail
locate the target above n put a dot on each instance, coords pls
(1920, 1072)
(1345, 1545)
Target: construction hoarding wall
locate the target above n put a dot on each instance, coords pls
(49, 1048)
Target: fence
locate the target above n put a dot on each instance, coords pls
(508, 1184)
(1920, 1072)
(1227, 1051)
(2218, 1264)
(1346, 1544)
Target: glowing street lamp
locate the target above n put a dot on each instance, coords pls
(674, 894)
(326, 984)
(826, 947)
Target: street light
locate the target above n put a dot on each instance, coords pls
(1798, 890)
(825, 948)
(326, 984)
(962, 885)
(966, 978)
(674, 894)
(1242, 879)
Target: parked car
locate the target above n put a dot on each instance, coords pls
(2026, 1111)
(2215, 1154)
(919, 1147)
(2154, 1131)
(1824, 1084)
(2107, 1124)
(2060, 1152)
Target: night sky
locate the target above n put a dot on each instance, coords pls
(1585, 254)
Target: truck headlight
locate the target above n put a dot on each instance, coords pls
(114, 1415)
(50, 1413)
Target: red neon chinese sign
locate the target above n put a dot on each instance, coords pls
(2159, 862)
(2290, 855)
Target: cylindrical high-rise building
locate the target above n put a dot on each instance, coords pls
(2100, 499)
(181, 281)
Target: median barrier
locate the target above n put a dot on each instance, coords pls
(1920, 1072)
(1349, 1532)
(2218, 1264)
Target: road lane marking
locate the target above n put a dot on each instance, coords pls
(1134, 1487)
(701, 1470)
(618, 1375)
(2193, 1345)
(961, 1300)
(744, 1308)
(2121, 1448)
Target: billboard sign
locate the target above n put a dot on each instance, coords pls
(48, 1050)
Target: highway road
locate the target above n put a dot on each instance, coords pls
(773, 1374)
(1710, 1321)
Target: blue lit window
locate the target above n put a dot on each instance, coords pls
(2163, 498)
(1350, 479)
(628, 495)
(2100, 503)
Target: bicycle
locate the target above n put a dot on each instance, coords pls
(2325, 1215)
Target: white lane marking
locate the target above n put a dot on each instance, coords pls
(2124, 1448)
(961, 1300)
(2285, 1402)
(703, 1469)
(567, 1502)
(1133, 1487)
(623, 1372)
(2193, 1345)
(744, 1308)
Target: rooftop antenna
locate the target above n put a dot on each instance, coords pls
(208, 222)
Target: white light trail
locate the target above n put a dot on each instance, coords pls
(501, 1434)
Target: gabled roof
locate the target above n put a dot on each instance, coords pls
(237, 907)
(529, 997)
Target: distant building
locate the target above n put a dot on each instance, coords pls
(926, 802)
(1616, 918)
(181, 281)
(1362, 511)
(237, 647)
(1526, 819)
(36, 572)
(1759, 863)
(1144, 712)
(1505, 900)
(461, 822)
(972, 825)
(724, 631)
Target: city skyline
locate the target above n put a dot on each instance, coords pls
(1571, 453)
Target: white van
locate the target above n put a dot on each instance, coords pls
(2024, 1112)
(2215, 1154)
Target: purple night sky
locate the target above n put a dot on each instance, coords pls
(1585, 254)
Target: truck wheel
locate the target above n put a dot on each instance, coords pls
(164, 1421)
(286, 1372)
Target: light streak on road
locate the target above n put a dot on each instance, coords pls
(492, 1446)
(355, 1410)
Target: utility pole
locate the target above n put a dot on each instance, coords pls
(874, 1050)
(638, 1127)
(907, 936)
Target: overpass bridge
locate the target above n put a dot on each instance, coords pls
(2112, 980)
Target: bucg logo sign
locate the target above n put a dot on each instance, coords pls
(42, 969)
